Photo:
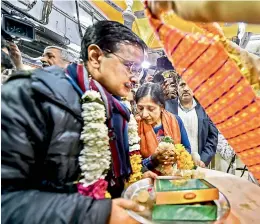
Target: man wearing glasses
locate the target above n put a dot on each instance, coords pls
(41, 126)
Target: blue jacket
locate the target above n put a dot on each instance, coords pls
(207, 133)
(41, 125)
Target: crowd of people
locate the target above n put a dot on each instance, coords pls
(42, 123)
(202, 134)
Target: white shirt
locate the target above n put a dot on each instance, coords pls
(190, 121)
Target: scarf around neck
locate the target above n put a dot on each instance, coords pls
(149, 141)
(118, 116)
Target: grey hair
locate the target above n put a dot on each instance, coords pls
(65, 54)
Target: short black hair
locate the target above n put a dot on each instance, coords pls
(151, 89)
(178, 78)
(107, 35)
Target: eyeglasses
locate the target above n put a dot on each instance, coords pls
(134, 68)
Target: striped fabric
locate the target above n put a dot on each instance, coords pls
(219, 85)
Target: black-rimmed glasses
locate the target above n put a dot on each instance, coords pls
(134, 68)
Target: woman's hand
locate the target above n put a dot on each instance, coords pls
(149, 174)
(164, 157)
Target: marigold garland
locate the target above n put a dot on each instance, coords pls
(107, 195)
(184, 159)
(136, 164)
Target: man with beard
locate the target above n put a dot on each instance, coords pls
(202, 133)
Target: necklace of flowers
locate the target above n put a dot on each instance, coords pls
(95, 158)
(134, 149)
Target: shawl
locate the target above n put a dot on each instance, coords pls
(149, 141)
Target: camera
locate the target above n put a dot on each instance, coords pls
(13, 28)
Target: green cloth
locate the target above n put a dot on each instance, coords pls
(192, 184)
(184, 212)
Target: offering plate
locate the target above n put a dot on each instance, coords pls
(223, 205)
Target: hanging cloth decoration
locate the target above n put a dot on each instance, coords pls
(221, 83)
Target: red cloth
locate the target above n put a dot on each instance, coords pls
(96, 190)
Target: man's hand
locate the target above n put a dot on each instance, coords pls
(128, 204)
(149, 174)
(120, 215)
(16, 55)
(201, 164)
(158, 7)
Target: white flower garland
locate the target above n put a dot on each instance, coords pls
(133, 137)
(95, 158)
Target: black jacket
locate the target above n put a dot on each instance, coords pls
(41, 125)
(207, 133)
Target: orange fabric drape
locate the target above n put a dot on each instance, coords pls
(219, 84)
(149, 142)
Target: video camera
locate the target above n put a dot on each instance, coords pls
(13, 29)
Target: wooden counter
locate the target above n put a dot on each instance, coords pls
(244, 196)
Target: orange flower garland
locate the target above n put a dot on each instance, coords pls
(184, 159)
(136, 164)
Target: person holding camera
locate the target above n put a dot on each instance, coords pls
(11, 59)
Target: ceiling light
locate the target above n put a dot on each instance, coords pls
(146, 64)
